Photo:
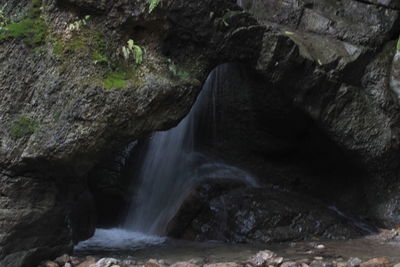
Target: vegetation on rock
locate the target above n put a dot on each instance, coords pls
(32, 29)
(398, 45)
(23, 126)
(115, 80)
(153, 4)
(77, 25)
(132, 50)
(173, 68)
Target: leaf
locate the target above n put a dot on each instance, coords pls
(138, 54)
(87, 17)
(398, 45)
(131, 44)
(153, 5)
(125, 52)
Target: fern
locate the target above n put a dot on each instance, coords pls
(76, 26)
(153, 4)
(138, 54)
(398, 45)
(133, 50)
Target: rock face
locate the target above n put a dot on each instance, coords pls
(331, 62)
(68, 99)
(259, 215)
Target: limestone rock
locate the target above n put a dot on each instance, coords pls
(375, 262)
(353, 262)
(223, 264)
(87, 262)
(105, 262)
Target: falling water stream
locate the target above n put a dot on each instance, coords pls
(170, 169)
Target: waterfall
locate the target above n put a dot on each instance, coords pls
(171, 166)
(169, 170)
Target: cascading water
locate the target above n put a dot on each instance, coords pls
(171, 168)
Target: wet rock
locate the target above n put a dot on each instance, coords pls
(320, 263)
(223, 264)
(155, 263)
(59, 121)
(196, 200)
(265, 258)
(50, 264)
(62, 259)
(353, 262)
(375, 262)
(87, 262)
(266, 215)
(105, 262)
(190, 263)
(291, 264)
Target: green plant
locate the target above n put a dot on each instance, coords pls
(77, 25)
(4, 20)
(33, 31)
(98, 57)
(153, 4)
(22, 127)
(183, 75)
(115, 80)
(398, 45)
(133, 50)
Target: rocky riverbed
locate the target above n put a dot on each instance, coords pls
(381, 250)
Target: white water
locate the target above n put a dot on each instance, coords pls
(118, 239)
(171, 168)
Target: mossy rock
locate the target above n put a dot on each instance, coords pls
(22, 127)
(115, 80)
(32, 31)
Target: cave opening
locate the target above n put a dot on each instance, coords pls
(308, 186)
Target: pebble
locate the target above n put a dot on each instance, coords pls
(265, 258)
(262, 258)
(223, 264)
(353, 262)
(105, 262)
(51, 264)
(375, 262)
(290, 264)
(62, 260)
(88, 261)
(190, 263)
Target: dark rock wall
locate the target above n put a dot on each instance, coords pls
(59, 120)
(330, 59)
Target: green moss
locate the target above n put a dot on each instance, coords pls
(98, 57)
(398, 45)
(32, 29)
(115, 80)
(23, 126)
(85, 41)
(178, 72)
